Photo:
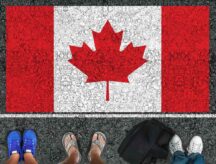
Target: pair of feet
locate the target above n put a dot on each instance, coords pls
(98, 143)
(195, 145)
(19, 145)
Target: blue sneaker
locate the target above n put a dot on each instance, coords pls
(29, 142)
(14, 143)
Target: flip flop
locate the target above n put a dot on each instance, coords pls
(97, 143)
(71, 143)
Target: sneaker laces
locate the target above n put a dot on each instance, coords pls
(177, 145)
(28, 146)
(15, 146)
(195, 148)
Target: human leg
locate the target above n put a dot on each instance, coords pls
(69, 142)
(29, 146)
(176, 149)
(14, 159)
(29, 158)
(97, 146)
(96, 159)
(197, 158)
(195, 149)
(179, 157)
(14, 147)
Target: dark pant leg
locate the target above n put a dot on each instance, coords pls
(179, 158)
(196, 158)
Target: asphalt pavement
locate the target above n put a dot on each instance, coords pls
(51, 130)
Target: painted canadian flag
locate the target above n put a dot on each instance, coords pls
(113, 59)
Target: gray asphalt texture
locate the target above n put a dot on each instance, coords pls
(51, 130)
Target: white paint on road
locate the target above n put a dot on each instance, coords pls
(108, 116)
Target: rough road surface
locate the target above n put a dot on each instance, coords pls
(51, 130)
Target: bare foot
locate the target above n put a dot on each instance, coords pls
(15, 157)
(98, 143)
(72, 150)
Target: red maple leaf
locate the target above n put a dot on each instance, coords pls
(107, 63)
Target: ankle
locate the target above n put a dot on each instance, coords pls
(28, 155)
(74, 156)
(15, 156)
(73, 153)
(94, 154)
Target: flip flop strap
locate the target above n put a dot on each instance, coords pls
(97, 142)
(74, 144)
(100, 146)
(70, 144)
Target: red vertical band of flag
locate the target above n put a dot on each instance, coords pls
(29, 58)
(185, 59)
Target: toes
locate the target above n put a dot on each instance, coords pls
(73, 137)
(95, 137)
(67, 139)
(101, 139)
